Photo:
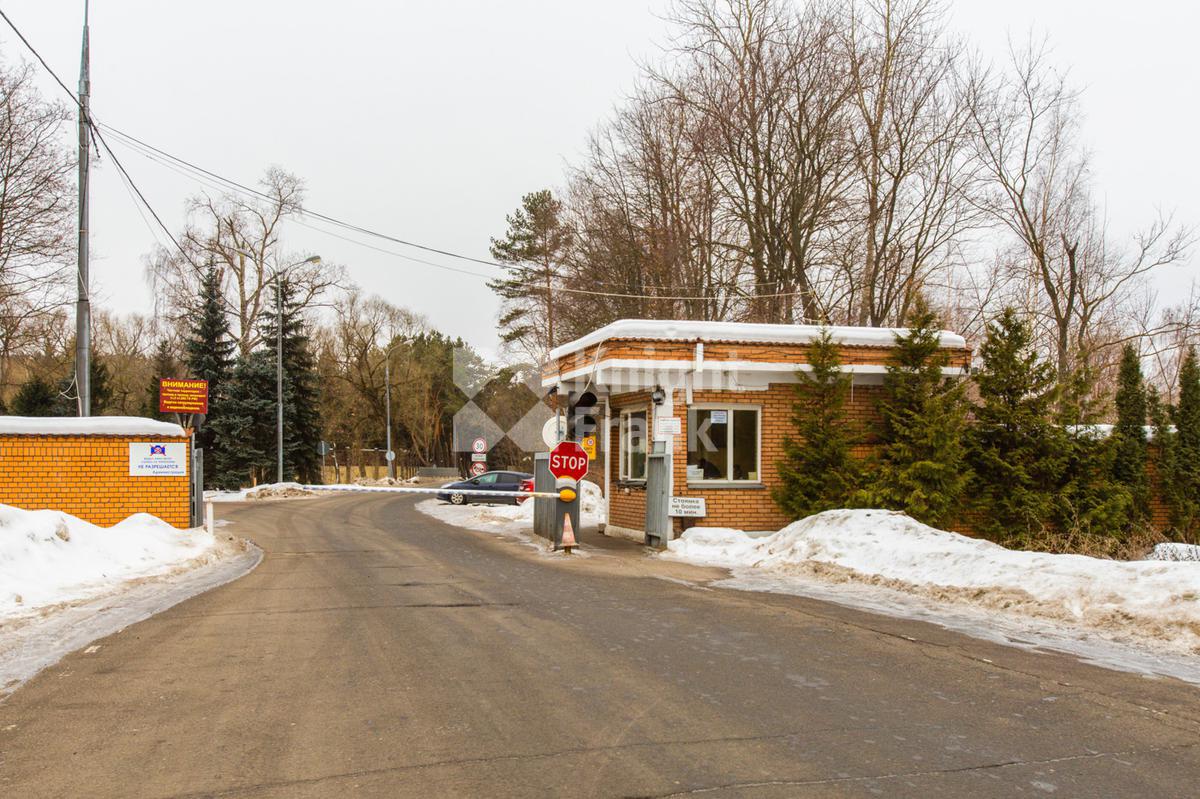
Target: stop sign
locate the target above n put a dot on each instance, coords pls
(568, 460)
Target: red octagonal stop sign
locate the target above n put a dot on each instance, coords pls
(569, 460)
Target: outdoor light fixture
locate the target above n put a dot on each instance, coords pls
(659, 396)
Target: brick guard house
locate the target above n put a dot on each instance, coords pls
(713, 401)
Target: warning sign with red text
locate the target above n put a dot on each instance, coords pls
(182, 396)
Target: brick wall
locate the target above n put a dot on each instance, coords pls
(749, 508)
(88, 476)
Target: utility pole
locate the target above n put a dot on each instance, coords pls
(387, 391)
(83, 308)
(279, 375)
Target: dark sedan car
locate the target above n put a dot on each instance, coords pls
(488, 481)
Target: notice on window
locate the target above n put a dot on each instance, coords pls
(719, 417)
(157, 459)
(687, 506)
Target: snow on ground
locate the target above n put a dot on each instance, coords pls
(1174, 552)
(887, 561)
(514, 521)
(48, 558)
(264, 491)
(88, 425)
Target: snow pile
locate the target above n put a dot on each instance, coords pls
(277, 491)
(514, 520)
(1174, 552)
(1150, 599)
(264, 491)
(86, 426)
(48, 557)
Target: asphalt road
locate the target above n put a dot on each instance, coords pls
(378, 653)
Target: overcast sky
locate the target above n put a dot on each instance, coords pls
(430, 120)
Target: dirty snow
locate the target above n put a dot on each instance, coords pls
(88, 425)
(48, 557)
(688, 330)
(263, 491)
(887, 561)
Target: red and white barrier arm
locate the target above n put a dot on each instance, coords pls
(565, 494)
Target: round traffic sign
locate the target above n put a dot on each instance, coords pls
(554, 430)
(568, 460)
(391, 455)
(478, 468)
(479, 445)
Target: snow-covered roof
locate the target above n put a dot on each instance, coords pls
(687, 330)
(87, 426)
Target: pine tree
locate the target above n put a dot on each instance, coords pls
(1014, 451)
(1129, 434)
(67, 403)
(1179, 458)
(162, 367)
(1088, 500)
(36, 397)
(818, 472)
(301, 389)
(209, 355)
(244, 431)
(532, 248)
(922, 468)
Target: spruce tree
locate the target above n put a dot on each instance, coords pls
(162, 367)
(209, 355)
(922, 468)
(1129, 433)
(1088, 500)
(36, 397)
(1180, 460)
(244, 431)
(1014, 451)
(67, 404)
(301, 389)
(818, 472)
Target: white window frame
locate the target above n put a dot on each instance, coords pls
(624, 449)
(730, 408)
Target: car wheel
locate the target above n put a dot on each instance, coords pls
(457, 499)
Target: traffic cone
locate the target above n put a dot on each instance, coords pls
(568, 535)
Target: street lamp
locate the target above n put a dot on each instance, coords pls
(277, 274)
(312, 259)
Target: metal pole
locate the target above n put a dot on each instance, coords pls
(279, 375)
(387, 387)
(83, 309)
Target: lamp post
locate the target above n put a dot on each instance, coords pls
(312, 259)
(277, 276)
(387, 392)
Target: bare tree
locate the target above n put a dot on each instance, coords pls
(914, 170)
(242, 236)
(36, 213)
(1083, 289)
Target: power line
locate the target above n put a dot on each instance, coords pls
(133, 141)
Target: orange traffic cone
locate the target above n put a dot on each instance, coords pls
(568, 535)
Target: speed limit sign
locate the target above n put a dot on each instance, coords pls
(479, 445)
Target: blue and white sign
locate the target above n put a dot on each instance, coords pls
(157, 459)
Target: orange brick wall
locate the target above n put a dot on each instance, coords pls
(88, 476)
(750, 508)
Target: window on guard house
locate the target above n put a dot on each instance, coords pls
(723, 444)
(633, 445)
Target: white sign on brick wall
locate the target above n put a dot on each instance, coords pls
(157, 459)
(687, 506)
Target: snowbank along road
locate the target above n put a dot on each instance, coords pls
(379, 652)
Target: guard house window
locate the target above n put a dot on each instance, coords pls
(633, 445)
(723, 444)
